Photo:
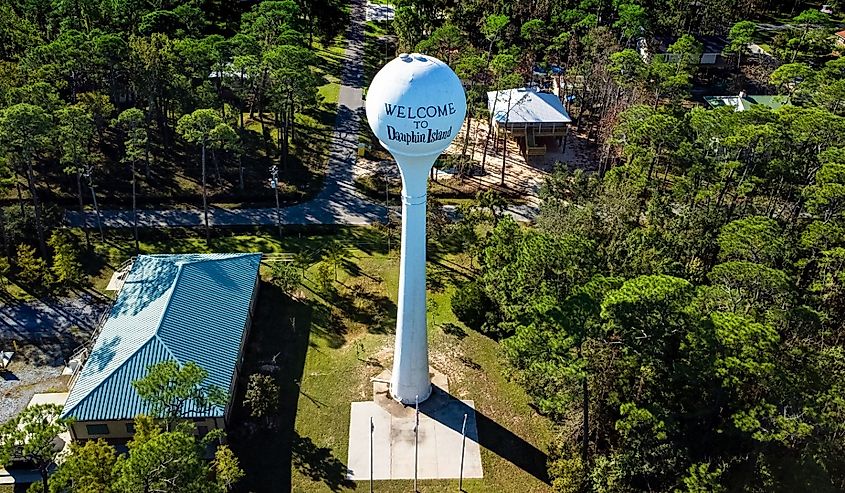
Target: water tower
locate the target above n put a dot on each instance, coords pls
(415, 106)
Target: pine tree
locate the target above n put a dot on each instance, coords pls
(66, 267)
(32, 269)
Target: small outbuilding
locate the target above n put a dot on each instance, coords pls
(528, 115)
(191, 307)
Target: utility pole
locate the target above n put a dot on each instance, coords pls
(372, 427)
(274, 182)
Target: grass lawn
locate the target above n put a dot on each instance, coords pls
(338, 368)
(327, 342)
(330, 92)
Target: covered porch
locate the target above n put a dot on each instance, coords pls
(532, 118)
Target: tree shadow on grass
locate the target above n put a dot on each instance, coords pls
(268, 450)
(363, 303)
(328, 324)
(453, 330)
(319, 464)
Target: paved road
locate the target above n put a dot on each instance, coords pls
(338, 203)
(763, 26)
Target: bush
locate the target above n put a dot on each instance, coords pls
(262, 396)
(473, 307)
(567, 474)
(5, 268)
(286, 276)
(324, 278)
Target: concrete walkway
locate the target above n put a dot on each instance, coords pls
(338, 203)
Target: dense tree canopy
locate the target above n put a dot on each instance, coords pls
(680, 315)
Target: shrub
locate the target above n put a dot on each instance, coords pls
(262, 395)
(324, 278)
(5, 268)
(66, 265)
(286, 276)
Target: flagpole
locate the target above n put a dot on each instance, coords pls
(463, 448)
(416, 439)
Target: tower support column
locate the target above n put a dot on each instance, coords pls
(410, 379)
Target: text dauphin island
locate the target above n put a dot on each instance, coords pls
(420, 116)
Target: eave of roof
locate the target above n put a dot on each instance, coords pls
(526, 105)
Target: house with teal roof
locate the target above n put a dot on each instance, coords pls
(188, 307)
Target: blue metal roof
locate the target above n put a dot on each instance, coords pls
(191, 307)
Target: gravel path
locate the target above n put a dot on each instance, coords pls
(44, 333)
(30, 380)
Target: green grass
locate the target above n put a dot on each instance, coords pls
(329, 92)
(329, 67)
(337, 374)
(376, 52)
(330, 343)
(119, 245)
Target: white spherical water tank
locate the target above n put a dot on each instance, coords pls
(415, 106)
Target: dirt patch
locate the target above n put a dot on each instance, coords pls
(523, 175)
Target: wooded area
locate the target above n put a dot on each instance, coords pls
(677, 313)
(677, 310)
(119, 101)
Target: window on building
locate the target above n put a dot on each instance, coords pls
(130, 427)
(100, 429)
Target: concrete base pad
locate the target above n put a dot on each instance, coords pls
(439, 445)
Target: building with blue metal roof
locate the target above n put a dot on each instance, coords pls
(189, 307)
(534, 118)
